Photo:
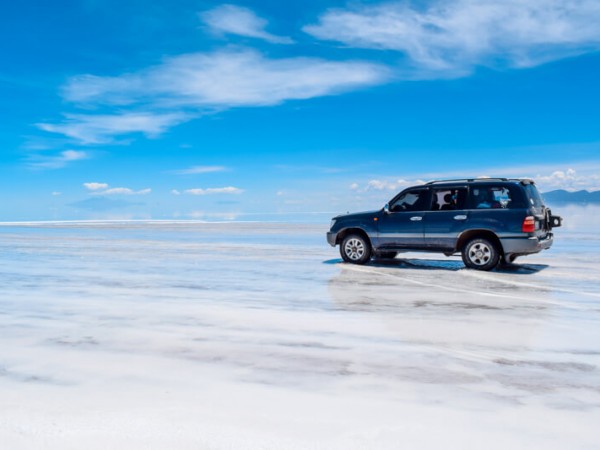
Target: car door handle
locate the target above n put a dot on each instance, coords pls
(416, 218)
(460, 217)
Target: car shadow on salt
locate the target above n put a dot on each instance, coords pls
(334, 261)
(444, 264)
(521, 269)
(427, 264)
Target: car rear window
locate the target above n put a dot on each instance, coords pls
(533, 196)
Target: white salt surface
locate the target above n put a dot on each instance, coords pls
(256, 336)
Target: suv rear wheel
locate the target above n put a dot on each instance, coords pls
(480, 254)
(355, 249)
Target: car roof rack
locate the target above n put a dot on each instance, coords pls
(469, 180)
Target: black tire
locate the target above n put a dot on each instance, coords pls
(480, 254)
(386, 255)
(355, 249)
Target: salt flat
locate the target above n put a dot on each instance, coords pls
(255, 335)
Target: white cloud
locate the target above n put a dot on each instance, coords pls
(585, 176)
(197, 170)
(93, 186)
(57, 161)
(56, 194)
(210, 191)
(451, 37)
(385, 185)
(232, 19)
(569, 180)
(98, 129)
(175, 192)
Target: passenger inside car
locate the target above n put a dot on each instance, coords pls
(449, 201)
(485, 199)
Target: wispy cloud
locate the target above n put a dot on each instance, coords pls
(56, 161)
(104, 189)
(124, 191)
(245, 78)
(186, 86)
(449, 38)
(99, 129)
(211, 191)
(93, 186)
(198, 170)
(232, 19)
(309, 168)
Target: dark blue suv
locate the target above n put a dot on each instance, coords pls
(488, 220)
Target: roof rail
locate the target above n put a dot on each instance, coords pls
(469, 180)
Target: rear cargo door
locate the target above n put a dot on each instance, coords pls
(494, 208)
(538, 209)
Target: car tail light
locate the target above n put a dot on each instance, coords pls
(528, 224)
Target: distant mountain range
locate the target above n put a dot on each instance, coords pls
(561, 196)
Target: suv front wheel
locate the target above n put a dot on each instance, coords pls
(355, 249)
(480, 254)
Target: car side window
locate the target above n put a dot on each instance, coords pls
(414, 200)
(448, 199)
(491, 197)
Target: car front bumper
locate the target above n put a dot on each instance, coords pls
(331, 238)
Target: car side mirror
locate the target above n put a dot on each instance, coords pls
(386, 208)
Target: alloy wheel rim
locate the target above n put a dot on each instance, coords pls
(354, 249)
(480, 254)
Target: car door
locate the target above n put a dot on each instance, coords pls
(401, 226)
(447, 217)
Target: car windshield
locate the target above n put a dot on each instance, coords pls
(410, 201)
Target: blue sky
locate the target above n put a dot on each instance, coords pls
(263, 109)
